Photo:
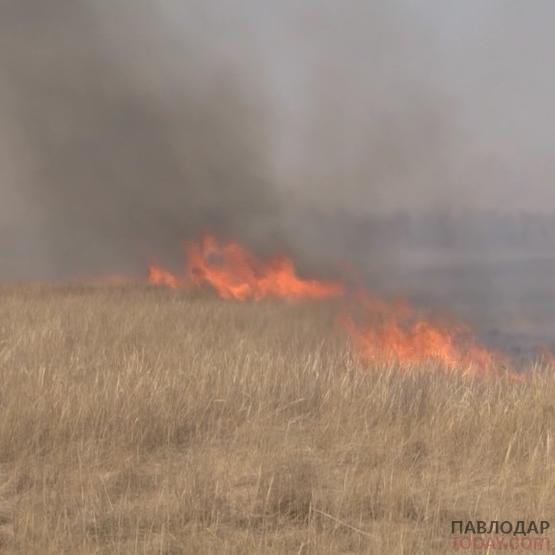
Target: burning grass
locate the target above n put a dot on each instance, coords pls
(391, 332)
(142, 420)
(235, 273)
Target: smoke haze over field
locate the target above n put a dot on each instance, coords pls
(127, 127)
(129, 143)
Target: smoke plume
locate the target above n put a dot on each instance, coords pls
(410, 140)
(127, 144)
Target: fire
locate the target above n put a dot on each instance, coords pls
(159, 276)
(383, 332)
(394, 333)
(234, 273)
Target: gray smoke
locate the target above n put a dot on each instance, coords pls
(412, 140)
(127, 144)
(133, 126)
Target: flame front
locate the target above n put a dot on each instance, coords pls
(383, 332)
(393, 333)
(234, 273)
(159, 276)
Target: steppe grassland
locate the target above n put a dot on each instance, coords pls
(138, 420)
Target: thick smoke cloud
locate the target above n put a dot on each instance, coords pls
(132, 127)
(398, 136)
(127, 145)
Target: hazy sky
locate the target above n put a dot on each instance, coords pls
(129, 125)
(459, 93)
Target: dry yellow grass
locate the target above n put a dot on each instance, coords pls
(135, 420)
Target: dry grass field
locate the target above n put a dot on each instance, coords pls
(139, 420)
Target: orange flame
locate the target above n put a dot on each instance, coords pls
(384, 332)
(234, 273)
(159, 276)
(393, 333)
